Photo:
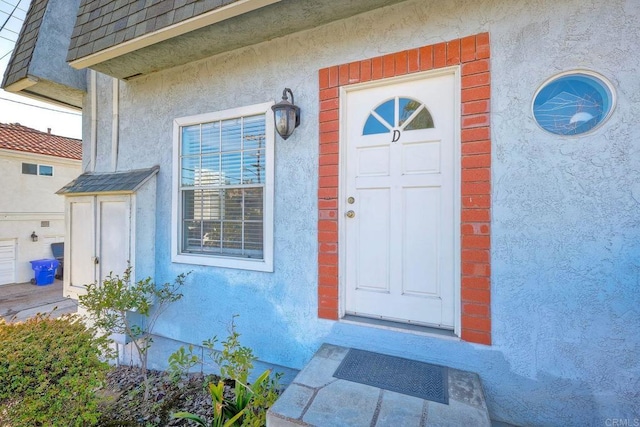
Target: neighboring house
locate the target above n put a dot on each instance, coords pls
(463, 188)
(34, 166)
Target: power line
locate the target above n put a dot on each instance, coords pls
(8, 39)
(10, 15)
(3, 56)
(11, 31)
(42, 108)
(14, 17)
(11, 4)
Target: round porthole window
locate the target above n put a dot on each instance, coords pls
(573, 103)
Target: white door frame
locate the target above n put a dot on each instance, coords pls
(342, 203)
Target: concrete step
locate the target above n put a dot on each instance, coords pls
(316, 398)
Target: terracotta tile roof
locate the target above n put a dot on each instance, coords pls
(105, 23)
(21, 57)
(16, 137)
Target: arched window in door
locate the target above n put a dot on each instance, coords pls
(398, 113)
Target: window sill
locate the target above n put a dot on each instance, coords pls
(225, 262)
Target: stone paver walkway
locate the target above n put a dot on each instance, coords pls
(316, 398)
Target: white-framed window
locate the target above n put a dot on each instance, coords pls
(35, 169)
(222, 204)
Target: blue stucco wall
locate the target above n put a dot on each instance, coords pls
(565, 220)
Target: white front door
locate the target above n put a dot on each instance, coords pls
(400, 192)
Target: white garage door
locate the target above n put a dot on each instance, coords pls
(7, 261)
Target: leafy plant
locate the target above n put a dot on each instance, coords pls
(234, 360)
(265, 394)
(228, 412)
(181, 361)
(50, 370)
(249, 404)
(118, 306)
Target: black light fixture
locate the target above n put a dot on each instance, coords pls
(286, 115)
(34, 237)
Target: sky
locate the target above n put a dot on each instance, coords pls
(20, 109)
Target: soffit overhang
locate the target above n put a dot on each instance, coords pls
(237, 25)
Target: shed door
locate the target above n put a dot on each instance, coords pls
(7, 261)
(399, 191)
(113, 236)
(98, 232)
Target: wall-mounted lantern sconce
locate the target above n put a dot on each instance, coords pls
(34, 237)
(286, 115)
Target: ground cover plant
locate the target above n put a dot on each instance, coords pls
(50, 370)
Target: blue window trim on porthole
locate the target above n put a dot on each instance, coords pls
(573, 103)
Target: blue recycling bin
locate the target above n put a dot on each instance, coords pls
(45, 271)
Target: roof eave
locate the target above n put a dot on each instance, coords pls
(40, 90)
(16, 153)
(21, 84)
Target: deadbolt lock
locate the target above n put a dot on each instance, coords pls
(351, 200)
(351, 214)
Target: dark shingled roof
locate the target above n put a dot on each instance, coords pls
(21, 57)
(14, 136)
(105, 23)
(113, 182)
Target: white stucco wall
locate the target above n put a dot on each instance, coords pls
(27, 200)
(565, 228)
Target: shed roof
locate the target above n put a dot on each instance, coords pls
(105, 23)
(14, 136)
(112, 182)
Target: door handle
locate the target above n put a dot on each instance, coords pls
(96, 260)
(351, 214)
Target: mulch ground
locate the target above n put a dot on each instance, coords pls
(123, 402)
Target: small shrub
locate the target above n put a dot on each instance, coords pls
(50, 370)
(110, 305)
(249, 403)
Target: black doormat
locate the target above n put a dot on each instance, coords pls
(419, 379)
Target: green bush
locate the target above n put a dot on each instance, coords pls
(116, 306)
(50, 370)
(247, 404)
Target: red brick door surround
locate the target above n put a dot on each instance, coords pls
(472, 54)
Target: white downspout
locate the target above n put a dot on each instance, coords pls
(115, 124)
(94, 120)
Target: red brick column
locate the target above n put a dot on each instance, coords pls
(472, 54)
